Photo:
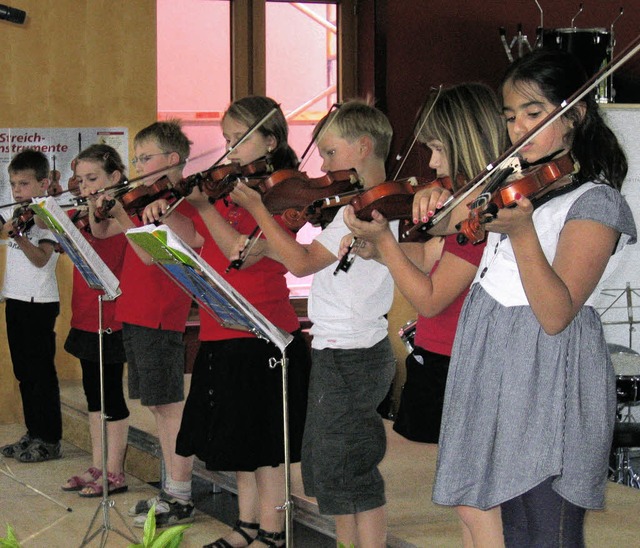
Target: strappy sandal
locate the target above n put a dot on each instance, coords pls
(238, 528)
(77, 483)
(271, 539)
(116, 483)
(40, 451)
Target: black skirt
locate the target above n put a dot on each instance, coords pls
(420, 411)
(84, 345)
(233, 415)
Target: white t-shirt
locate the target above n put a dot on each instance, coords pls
(348, 309)
(498, 271)
(23, 280)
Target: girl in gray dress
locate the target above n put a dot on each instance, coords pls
(530, 400)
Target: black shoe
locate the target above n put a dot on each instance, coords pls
(40, 451)
(272, 540)
(237, 528)
(13, 449)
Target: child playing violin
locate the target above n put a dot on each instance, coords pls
(97, 167)
(528, 330)
(464, 130)
(233, 417)
(153, 311)
(32, 304)
(353, 363)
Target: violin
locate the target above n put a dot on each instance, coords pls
(531, 182)
(120, 190)
(80, 219)
(290, 192)
(217, 182)
(54, 180)
(23, 219)
(394, 199)
(319, 213)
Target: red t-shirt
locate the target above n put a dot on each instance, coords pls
(84, 300)
(436, 334)
(149, 297)
(262, 284)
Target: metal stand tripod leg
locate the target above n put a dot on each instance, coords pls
(288, 503)
(106, 503)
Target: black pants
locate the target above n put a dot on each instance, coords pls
(540, 518)
(32, 344)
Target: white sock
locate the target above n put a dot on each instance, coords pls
(180, 490)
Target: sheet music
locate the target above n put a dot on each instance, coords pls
(212, 292)
(92, 268)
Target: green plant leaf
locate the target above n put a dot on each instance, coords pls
(149, 527)
(10, 541)
(170, 538)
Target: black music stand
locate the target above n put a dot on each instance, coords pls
(98, 276)
(215, 295)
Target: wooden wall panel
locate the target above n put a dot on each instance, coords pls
(74, 64)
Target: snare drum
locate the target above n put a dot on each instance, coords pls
(627, 368)
(407, 334)
(590, 46)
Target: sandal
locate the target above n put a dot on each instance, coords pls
(115, 484)
(40, 451)
(77, 483)
(271, 539)
(237, 528)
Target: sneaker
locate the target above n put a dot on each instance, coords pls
(142, 507)
(40, 451)
(11, 450)
(169, 511)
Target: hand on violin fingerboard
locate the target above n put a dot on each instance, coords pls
(367, 230)
(427, 201)
(245, 196)
(154, 211)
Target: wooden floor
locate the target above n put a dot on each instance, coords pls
(408, 468)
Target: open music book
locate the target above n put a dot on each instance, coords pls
(92, 268)
(212, 292)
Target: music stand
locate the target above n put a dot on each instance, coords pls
(98, 276)
(215, 295)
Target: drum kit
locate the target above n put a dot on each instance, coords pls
(626, 434)
(592, 46)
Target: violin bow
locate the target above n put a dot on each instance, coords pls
(246, 249)
(314, 142)
(416, 129)
(250, 131)
(504, 158)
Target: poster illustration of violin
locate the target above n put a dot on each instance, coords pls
(63, 143)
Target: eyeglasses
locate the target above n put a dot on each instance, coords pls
(146, 157)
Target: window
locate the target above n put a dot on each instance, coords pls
(211, 51)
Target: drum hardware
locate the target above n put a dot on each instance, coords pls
(592, 46)
(625, 436)
(629, 293)
(407, 334)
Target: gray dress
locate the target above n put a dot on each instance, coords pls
(521, 405)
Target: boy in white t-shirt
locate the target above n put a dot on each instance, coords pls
(352, 360)
(32, 304)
